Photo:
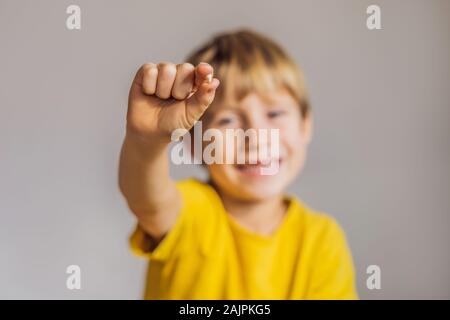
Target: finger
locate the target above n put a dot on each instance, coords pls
(184, 81)
(203, 72)
(166, 78)
(202, 98)
(149, 78)
(136, 85)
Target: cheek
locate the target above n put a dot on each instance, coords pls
(291, 137)
(294, 147)
(231, 147)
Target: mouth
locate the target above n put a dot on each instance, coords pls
(260, 169)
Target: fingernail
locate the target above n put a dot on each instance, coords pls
(209, 78)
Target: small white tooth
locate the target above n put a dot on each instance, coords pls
(209, 78)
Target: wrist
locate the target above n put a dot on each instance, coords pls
(147, 147)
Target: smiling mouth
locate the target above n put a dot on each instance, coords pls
(257, 169)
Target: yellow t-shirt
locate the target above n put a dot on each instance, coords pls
(208, 255)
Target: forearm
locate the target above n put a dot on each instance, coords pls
(144, 176)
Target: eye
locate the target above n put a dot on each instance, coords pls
(225, 121)
(275, 113)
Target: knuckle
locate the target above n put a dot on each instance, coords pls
(147, 66)
(167, 68)
(149, 72)
(186, 67)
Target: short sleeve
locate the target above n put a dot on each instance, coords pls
(333, 276)
(187, 233)
(140, 242)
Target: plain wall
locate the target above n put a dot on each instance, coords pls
(379, 159)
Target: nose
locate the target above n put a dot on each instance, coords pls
(255, 121)
(260, 146)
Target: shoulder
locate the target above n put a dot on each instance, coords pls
(328, 256)
(319, 228)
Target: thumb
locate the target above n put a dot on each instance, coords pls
(202, 98)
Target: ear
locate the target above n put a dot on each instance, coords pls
(307, 128)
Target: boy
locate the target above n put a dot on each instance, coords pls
(237, 236)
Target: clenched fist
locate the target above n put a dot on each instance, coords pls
(164, 97)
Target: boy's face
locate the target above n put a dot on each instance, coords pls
(278, 111)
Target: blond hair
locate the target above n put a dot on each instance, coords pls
(246, 61)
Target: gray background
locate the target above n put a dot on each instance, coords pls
(379, 161)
